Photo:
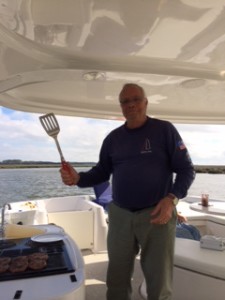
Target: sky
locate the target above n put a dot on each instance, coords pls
(23, 137)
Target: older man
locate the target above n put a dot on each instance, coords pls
(142, 155)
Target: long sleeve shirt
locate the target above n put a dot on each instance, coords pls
(146, 164)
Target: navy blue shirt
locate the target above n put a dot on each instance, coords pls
(146, 164)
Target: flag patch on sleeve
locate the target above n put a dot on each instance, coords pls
(181, 145)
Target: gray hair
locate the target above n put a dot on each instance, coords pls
(127, 85)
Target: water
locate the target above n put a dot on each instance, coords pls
(29, 184)
(212, 184)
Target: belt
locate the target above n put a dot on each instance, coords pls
(135, 209)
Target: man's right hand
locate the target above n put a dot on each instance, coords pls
(69, 175)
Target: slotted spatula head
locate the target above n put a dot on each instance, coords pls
(50, 124)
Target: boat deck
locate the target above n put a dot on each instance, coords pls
(95, 267)
(96, 264)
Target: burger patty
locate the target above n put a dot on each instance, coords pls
(4, 267)
(5, 260)
(38, 260)
(37, 264)
(18, 264)
(34, 261)
(38, 255)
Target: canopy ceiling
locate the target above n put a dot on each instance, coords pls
(71, 57)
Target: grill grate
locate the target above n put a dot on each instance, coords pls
(58, 259)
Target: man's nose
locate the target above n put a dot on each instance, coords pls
(131, 102)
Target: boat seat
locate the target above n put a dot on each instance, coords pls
(189, 256)
(194, 265)
(103, 194)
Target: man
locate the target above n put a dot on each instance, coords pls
(142, 156)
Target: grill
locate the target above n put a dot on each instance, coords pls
(58, 259)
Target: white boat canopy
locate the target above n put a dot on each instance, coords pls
(71, 57)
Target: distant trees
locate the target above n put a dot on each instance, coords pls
(210, 169)
(18, 163)
(12, 161)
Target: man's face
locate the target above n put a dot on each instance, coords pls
(133, 103)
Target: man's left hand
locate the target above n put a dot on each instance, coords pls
(162, 213)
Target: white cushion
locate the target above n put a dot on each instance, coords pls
(189, 255)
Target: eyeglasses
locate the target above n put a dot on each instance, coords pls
(136, 100)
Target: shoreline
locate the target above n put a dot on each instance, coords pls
(43, 165)
(210, 169)
(199, 169)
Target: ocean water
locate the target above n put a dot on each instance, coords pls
(37, 183)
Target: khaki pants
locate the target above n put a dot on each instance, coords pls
(128, 233)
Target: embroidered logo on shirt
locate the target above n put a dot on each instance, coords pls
(146, 148)
(181, 145)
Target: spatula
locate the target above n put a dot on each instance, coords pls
(51, 126)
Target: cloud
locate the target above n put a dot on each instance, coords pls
(22, 137)
(205, 143)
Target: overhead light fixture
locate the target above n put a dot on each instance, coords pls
(193, 83)
(94, 75)
(222, 73)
